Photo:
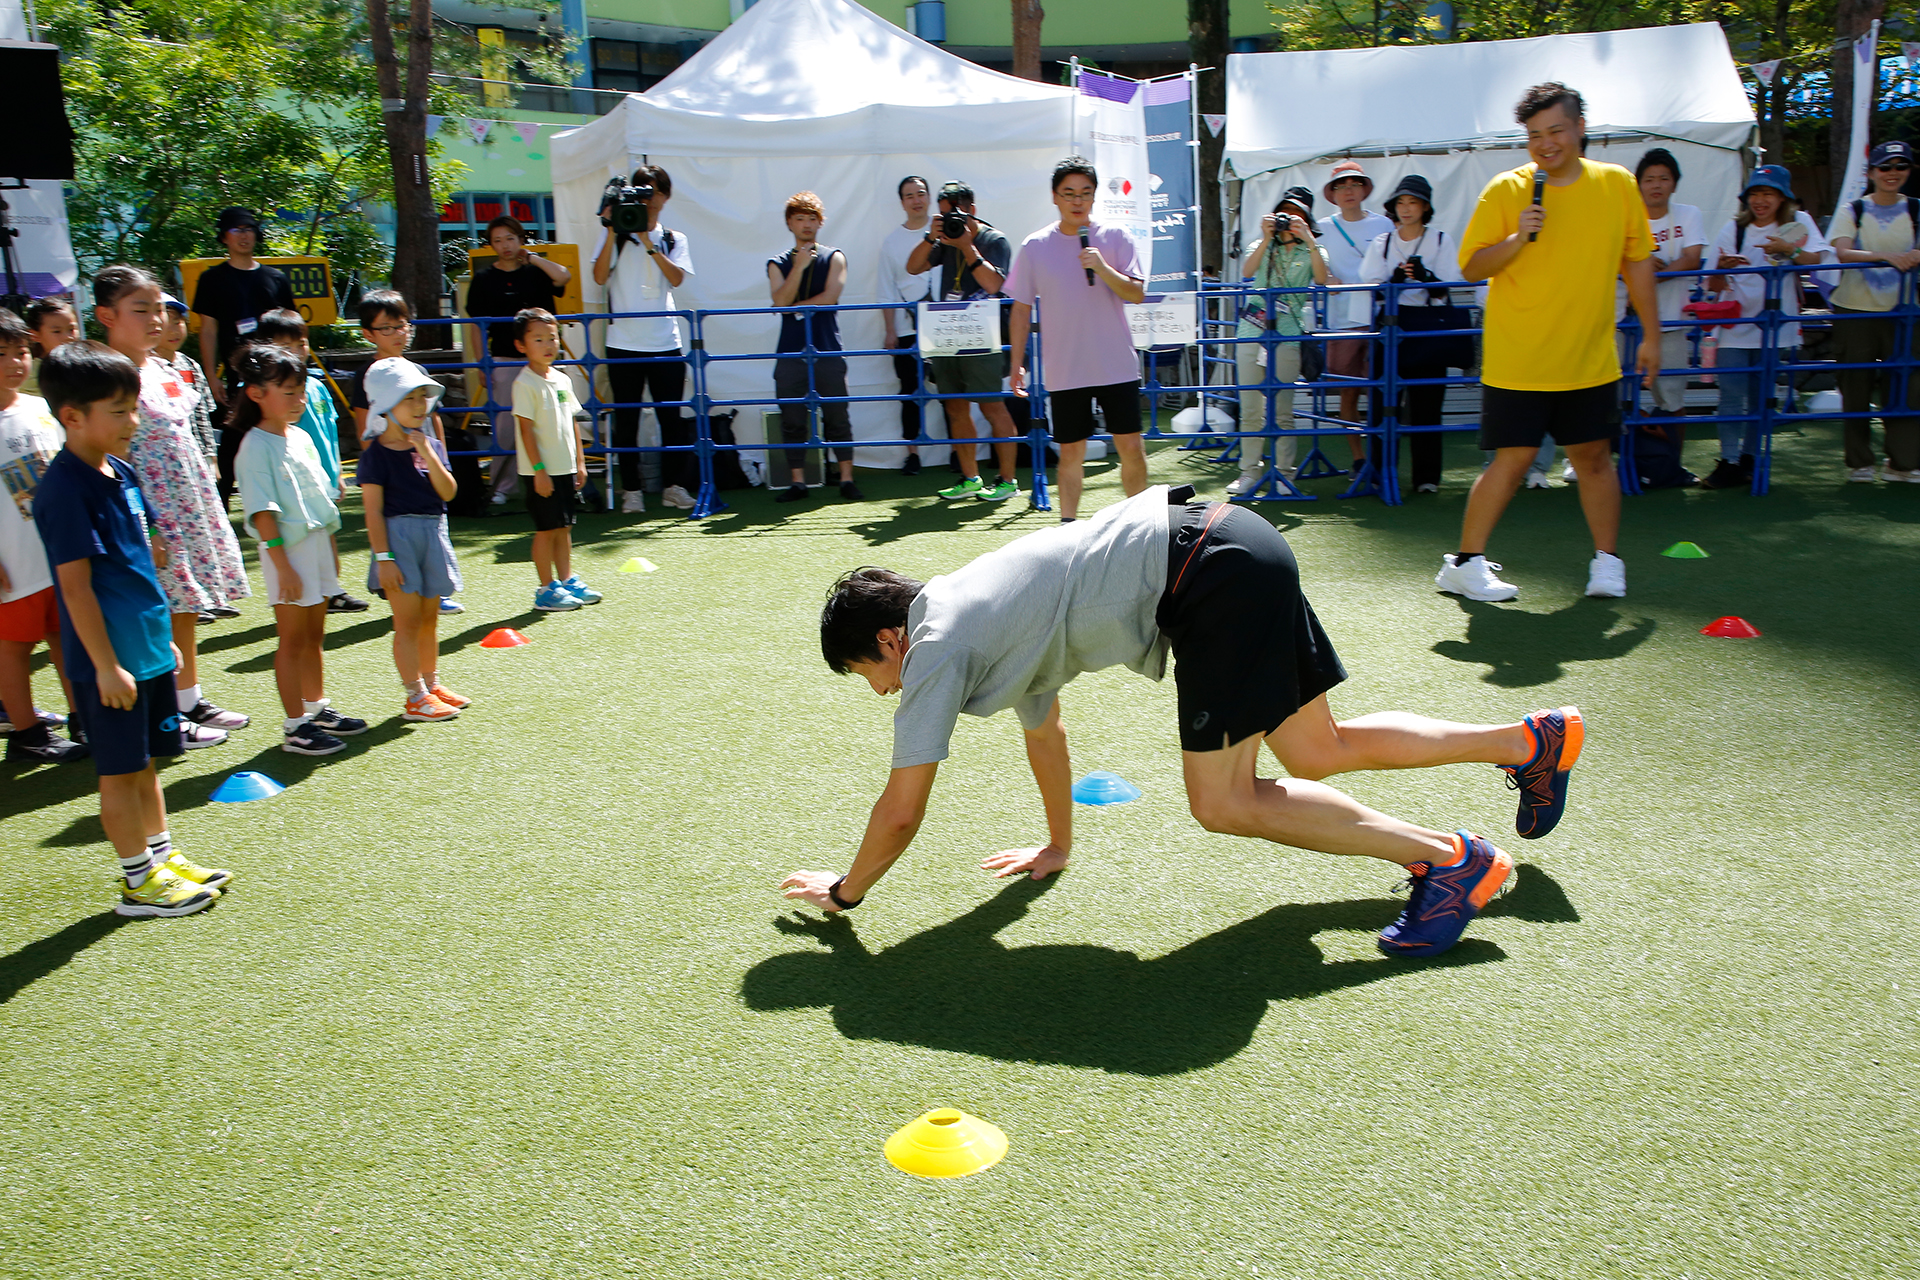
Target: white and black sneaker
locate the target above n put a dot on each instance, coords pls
(43, 746)
(195, 736)
(335, 723)
(1473, 578)
(212, 717)
(309, 739)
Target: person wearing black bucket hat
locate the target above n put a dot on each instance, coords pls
(1549, 238)
(1881, 231)
(231, 297)
(1416, 251)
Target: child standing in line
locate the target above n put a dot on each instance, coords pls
(52, 322)
(29, 439)
(551, 460)
(289, 508)
(386, 322)
(113, 623)
(203, 567)
(405, 484)
(173, 335)
(284, 328)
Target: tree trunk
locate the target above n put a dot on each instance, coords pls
(1851, 18)
(416, 247)
(1207, 43)
(1027, 17)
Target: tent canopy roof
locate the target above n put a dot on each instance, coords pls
(1289, 108)
(817, 78)
(788, 59)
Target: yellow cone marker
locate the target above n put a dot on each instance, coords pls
(946, 1144)
(639, 564)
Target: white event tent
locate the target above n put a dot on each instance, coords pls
(1445, 111)
(819, 95)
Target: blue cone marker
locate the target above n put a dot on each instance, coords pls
(246, 785)
(1105, 788)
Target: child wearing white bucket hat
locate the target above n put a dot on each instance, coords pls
(405, 485)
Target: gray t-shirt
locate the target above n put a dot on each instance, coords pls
(1011, 628)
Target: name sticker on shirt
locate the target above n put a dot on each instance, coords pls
(244, 327)
(960, 328)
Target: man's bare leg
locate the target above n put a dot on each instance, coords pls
(960, 432)
(1491, 492)
(1599, 491)
(1133, 462)
(1071, 478)
(1311, 744)
(1000, 422)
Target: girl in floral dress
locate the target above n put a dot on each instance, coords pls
(202, 567)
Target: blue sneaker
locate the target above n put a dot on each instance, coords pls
(581, 591)
(554, 598)
(448, 605)
(1542, 780)
(1445, 899)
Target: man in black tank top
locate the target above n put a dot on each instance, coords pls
(810, 275)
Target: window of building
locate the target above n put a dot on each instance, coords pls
(466, 215)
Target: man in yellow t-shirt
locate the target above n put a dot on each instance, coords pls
(1549, 365)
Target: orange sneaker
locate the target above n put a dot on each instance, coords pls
(428, 709)
(451, 698)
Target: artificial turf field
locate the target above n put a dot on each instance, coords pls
(516, 996)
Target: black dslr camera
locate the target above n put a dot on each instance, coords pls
(1413, 271)
(624, 208)
(953, 224)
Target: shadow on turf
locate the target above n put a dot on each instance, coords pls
(955, 987)
(1521, 648)
(38, 959)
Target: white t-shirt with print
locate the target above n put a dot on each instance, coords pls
(636, 283)
(1346, 246)
(1750, 291)
(29, 437)
(1682, 229)
(549, 403)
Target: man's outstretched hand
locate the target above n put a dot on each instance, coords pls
(1037, 863)
(812, 887)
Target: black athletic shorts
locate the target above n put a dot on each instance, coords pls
(1247, 650)
(126, 741)
(555, 511)
(1522, 419)
(1071, 411)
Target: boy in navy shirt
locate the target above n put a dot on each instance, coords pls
(114, 625)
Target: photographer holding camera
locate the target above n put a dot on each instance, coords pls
(1411, 253)
(1286, 256)
(640, 263)
(970, 257)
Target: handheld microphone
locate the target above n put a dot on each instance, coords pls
(1083, 244)
(1539, 190)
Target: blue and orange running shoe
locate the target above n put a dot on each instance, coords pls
(1542, 780)
(1445, 899)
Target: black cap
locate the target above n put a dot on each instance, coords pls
(1300, 196)
(1412, 185)
(232, 219)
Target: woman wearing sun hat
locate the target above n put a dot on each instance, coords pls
(1344, 236)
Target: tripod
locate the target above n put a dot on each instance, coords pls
(13, 297)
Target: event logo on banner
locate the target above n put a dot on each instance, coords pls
(1163, 320)
(1176, 215)
(1119, 152)
(959, 328)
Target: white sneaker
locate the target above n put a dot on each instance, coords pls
(676, 496)
(1426, 488)
(1247, 482)
(1475, 579)
(195, 736)
(1894, 476)
(1568, 474)
(499, 499)
(1607, 577)
(633, 502)
(1860, 475)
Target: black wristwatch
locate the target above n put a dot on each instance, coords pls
(833, 893)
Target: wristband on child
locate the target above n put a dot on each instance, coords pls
(383, 555)
(539, 466)
(271, 543)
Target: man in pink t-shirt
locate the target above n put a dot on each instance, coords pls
(1087, 343)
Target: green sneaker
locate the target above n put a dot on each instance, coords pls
(972, 487)
(164, 893)
(1000, 492)
(186, 869)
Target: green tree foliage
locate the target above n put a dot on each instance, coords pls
(183, 107)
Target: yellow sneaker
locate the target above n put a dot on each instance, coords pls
(163, 893)
(206, 877)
